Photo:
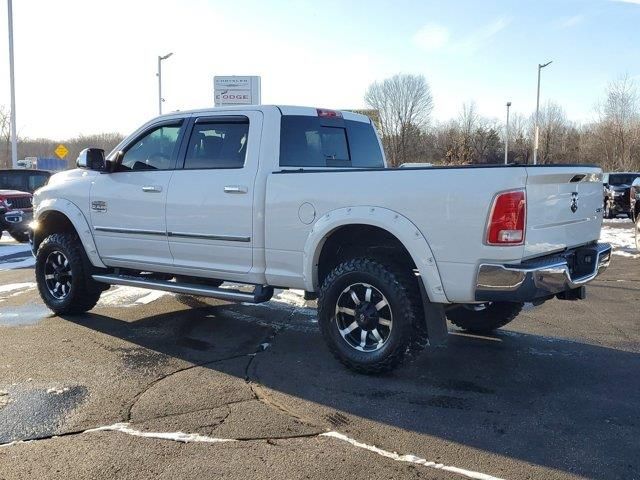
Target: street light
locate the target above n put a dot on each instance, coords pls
(14, 138)
(506, 137)
(159, 74)
(535, 144)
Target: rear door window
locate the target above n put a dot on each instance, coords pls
(218, 144)
(306, 141)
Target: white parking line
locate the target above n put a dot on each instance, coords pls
(174, 436)
(195, 437)
(410, 458)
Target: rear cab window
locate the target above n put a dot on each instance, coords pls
(314, 142)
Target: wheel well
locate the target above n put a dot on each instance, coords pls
(359, 240)
(49, 223)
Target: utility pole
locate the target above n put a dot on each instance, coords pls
(14, 135)
(506, 137)
(535, 140)
(159, 75)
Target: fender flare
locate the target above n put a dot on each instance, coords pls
(79, 222)
(394, 223)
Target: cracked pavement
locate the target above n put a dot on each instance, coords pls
(556, 394)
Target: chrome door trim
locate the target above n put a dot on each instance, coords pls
(204, 236)
(133, 231)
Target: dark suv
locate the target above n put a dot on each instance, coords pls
(616, 193)
(23, 180)
(16, 189)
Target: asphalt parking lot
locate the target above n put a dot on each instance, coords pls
(153, 385)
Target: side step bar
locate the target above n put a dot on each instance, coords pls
(261, 293)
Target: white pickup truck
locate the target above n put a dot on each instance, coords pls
(297, 197)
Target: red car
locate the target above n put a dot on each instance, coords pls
(16, 212)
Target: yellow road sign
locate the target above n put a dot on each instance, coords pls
(61, 151)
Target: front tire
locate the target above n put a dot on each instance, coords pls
(63, 275)
(367, 315)
(20, 237)
(484, 318)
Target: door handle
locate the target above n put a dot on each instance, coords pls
(235, 189)
(152, 188)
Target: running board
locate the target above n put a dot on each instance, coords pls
(261, 293)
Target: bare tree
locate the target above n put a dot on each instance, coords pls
(5, 137)
(404, 104)
(554, 128)
(519, 139)
(618, 131)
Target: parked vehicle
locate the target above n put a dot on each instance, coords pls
(15, 214)
(634, 207)
(296, 197)
(616, 193)
(634, 198)
(23, 180)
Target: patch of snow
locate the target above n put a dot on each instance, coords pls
(622, 240)
(174, 436)
(57, 390)
(121, 296)
(617, 220)
(6, 238)
(13, 248)
(4, 398)
(13, 264)
(291, 297)
(12, 287)
(409, 458)
(151, 297)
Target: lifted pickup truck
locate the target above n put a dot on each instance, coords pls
(296, 197)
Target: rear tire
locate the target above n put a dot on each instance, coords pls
(63, 275)
(484, 318)
(367, 315)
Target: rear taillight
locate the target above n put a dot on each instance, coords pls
(508, 219)
(324, 113)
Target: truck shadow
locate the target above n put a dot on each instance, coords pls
(559, 404)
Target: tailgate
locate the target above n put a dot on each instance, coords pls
(564, 207)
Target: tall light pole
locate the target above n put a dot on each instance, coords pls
(14, 137)
(506, 137)
(535, 141)
(159, 74)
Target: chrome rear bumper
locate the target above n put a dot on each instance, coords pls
(542, 277)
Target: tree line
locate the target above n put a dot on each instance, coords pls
(402, 107)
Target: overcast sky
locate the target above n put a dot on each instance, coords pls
(89, 66)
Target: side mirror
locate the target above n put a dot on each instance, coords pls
(91, 159)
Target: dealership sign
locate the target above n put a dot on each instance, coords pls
(234, 90)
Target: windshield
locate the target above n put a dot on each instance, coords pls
(622, 178)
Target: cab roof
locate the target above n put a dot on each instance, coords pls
(284, 110)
